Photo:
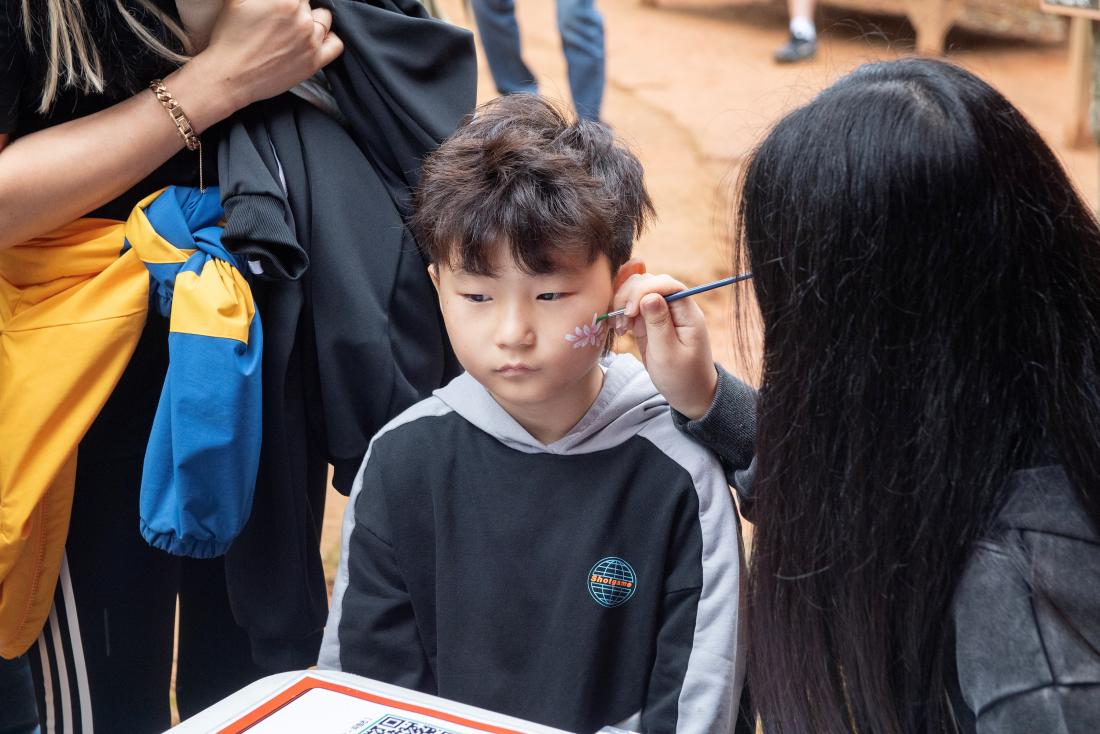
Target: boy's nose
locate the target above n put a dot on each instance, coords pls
(515, 329)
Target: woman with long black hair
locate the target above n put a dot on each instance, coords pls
(926, 484)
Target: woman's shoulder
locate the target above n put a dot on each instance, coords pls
(1042, 502)
(1027, 612)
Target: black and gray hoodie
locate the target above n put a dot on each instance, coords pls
(592, 581)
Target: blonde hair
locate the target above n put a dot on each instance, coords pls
(73, 60)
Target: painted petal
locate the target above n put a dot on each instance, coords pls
(570, 338)
(578, 345)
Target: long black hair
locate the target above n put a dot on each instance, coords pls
(929, 283)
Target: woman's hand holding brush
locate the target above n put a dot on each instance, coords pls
(672, 338)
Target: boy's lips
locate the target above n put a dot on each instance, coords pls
(515, 370)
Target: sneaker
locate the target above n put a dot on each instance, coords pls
(796, 49)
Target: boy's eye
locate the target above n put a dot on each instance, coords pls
(550, 296)
(475, 297)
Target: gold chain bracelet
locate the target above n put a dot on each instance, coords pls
(179, 117)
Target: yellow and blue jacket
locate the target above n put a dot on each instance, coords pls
(73, 304)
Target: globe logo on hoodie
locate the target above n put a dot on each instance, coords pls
(612, 582)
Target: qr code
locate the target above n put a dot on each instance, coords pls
(398, 725)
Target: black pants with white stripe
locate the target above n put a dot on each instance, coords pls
(104, 660)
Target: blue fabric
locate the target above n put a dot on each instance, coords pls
(204, 449)
(187, 219)
(582, 39)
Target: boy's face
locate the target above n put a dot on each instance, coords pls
(508, 330)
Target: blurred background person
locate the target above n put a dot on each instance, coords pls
(801, 45)
(581, 29)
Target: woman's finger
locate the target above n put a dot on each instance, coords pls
(331, 48)
(638, 331)
(637, 287)
(686, 313)
(631, 289)
(322, 19)
(328, 44)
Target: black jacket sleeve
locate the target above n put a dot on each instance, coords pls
(378, 633)
(729, 430)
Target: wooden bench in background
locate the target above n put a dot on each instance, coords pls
(1024, 19)
(933, 18)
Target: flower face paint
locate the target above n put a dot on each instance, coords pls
(587, 335)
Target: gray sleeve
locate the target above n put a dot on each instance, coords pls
(699, 666)
(1027, 621)
(729, 430)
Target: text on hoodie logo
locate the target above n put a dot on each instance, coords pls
(612, 582)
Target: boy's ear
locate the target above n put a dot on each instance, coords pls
(433, 273)
(633, 266)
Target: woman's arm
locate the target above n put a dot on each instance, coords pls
(709, 404)
(257, 49)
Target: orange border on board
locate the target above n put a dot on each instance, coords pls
(309, 683)
(1093, 13)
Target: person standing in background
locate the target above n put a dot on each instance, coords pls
(802, 44)
(581, 28)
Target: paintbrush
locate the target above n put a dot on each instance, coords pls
(684, 294)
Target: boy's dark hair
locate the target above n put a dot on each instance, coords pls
(520, 174)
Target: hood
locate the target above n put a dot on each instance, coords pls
(627, 401)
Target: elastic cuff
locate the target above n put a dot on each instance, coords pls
(256, 229)
(169, 542)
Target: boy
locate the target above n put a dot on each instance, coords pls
(537, 538)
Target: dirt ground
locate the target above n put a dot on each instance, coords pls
(692, 87)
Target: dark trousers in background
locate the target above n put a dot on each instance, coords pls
(582, 40)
